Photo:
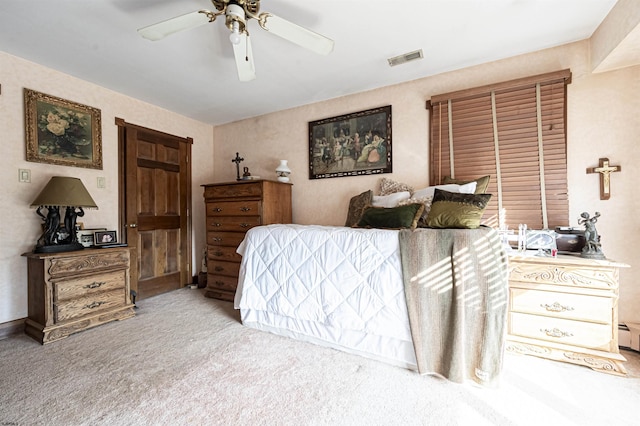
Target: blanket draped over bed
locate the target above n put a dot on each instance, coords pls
(457, 295)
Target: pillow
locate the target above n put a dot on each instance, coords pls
(389, 186)
(468, 188)
(426, 201)
(357, 205)
(390, 200)
(481, 183)
(454, 210)
(391, 218)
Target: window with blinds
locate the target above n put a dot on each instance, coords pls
(515, 132)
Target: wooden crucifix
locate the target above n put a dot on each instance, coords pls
(237, 160)
(605, 171)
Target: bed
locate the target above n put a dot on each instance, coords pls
(431, 300)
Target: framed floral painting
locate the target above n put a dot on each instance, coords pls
(62, 132)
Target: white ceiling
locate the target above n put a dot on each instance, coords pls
(193, 72)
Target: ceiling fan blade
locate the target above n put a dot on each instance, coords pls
(296, 34)
(244, 59)
(183, 22)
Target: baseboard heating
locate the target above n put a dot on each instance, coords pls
(629, 336)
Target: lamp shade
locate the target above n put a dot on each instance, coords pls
(64, 191)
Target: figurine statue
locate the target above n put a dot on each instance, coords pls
(246, 174)
(592, 248)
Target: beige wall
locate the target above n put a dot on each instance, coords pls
(602, 122)
(20, 227)
(264, 140)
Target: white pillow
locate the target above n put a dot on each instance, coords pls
(467, 188)
(390, 200)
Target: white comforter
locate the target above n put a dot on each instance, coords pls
(333, 285)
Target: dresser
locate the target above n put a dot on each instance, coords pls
(72, 291)
(565, 309)
(232, 208)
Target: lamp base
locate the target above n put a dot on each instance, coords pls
(58, 248)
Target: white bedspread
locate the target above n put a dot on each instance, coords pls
(330, 285)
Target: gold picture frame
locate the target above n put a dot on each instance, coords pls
(62, 132)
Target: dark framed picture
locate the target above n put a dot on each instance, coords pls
(351, 145)
(105, 237)
(62, 132)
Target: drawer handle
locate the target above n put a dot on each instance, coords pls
(94, 305)
(217, 224)
(218, 269)
(218, 253)
(217, 239)
(556, 307)
(220, 283)
(217, 209)
(244, 225)
(95, 284)
(245, 209)
(556, 333)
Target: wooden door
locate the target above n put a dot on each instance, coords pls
(155, 200)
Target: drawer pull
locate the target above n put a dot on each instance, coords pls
(95, 284)
(217, 224)
(217, 209)
(556, 333)
(218, 253)
(245, 209)
(219, 283)
(218, 269)
(93, 305)
(556, 307)
(244, 225)
(217, 239)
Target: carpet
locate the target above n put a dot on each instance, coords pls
(187, 360)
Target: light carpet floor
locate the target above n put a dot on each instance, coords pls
(186, 360)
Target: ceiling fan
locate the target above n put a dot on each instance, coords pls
(237, 13)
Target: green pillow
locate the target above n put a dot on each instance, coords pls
(391, 218)
(357, 205)
(454, 210)
(481, 183)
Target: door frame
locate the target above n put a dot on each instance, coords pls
(186, 270)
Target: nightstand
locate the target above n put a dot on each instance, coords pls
(565, 309)
(73, 291)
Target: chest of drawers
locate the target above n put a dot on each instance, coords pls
(232, 208)
(565, 309)
(73, 291)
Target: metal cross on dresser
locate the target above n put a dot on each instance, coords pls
(237, 160)
(605, 171)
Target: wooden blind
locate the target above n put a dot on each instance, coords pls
(516, 133)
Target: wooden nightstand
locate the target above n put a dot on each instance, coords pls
(232, 209)
(565, 309)
(74, 291)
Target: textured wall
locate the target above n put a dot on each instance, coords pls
(602, 111)
(20, 227)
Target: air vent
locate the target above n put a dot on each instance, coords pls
(407, 57)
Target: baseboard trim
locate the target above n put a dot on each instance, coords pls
(629, 336)
(11, 328)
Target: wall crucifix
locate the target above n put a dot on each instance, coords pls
(605, 171)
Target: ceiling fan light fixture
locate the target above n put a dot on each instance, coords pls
(234, 37)
(236, 13)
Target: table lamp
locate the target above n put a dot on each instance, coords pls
(61, 191)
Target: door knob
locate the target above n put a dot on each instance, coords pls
(132, 225)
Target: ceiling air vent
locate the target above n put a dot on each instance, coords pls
(407, 57)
